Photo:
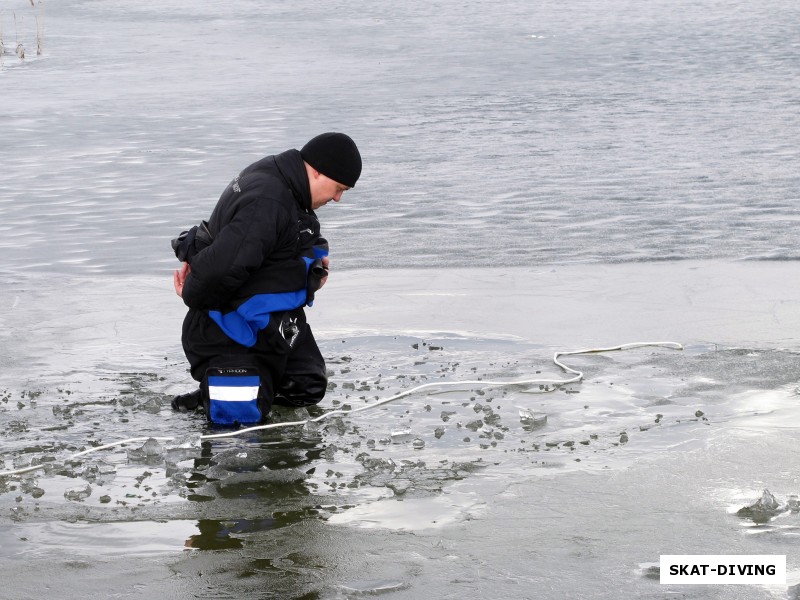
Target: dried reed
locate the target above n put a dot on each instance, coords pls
(19, 45)
(39, 29)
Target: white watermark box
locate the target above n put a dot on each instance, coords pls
(694, 569)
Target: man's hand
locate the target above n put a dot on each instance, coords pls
(325, 262)
(179, 278)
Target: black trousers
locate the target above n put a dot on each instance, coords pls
(286, 355)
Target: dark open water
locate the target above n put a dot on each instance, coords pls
(503, 134)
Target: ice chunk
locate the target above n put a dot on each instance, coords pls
(530, 421)
(151, 405)
(152, 448)
(474, 425)
(763, 509)
(150, 451)
(375, 463)
(400, 436)
(79, 493)
(191, 440)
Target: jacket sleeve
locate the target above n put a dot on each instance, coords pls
(239, 248)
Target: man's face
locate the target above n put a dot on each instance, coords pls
(324, 189)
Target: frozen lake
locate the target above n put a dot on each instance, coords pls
(515, 134)
(537, 178)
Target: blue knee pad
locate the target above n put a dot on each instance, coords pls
(235, 396)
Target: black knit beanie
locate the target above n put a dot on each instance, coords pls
(334, 155)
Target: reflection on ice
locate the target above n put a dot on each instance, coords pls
(412, 514)
(372, 588)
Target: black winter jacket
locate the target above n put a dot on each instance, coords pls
(265, 237)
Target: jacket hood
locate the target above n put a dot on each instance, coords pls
(293, 170)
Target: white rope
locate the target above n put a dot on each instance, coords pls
(578, 376)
